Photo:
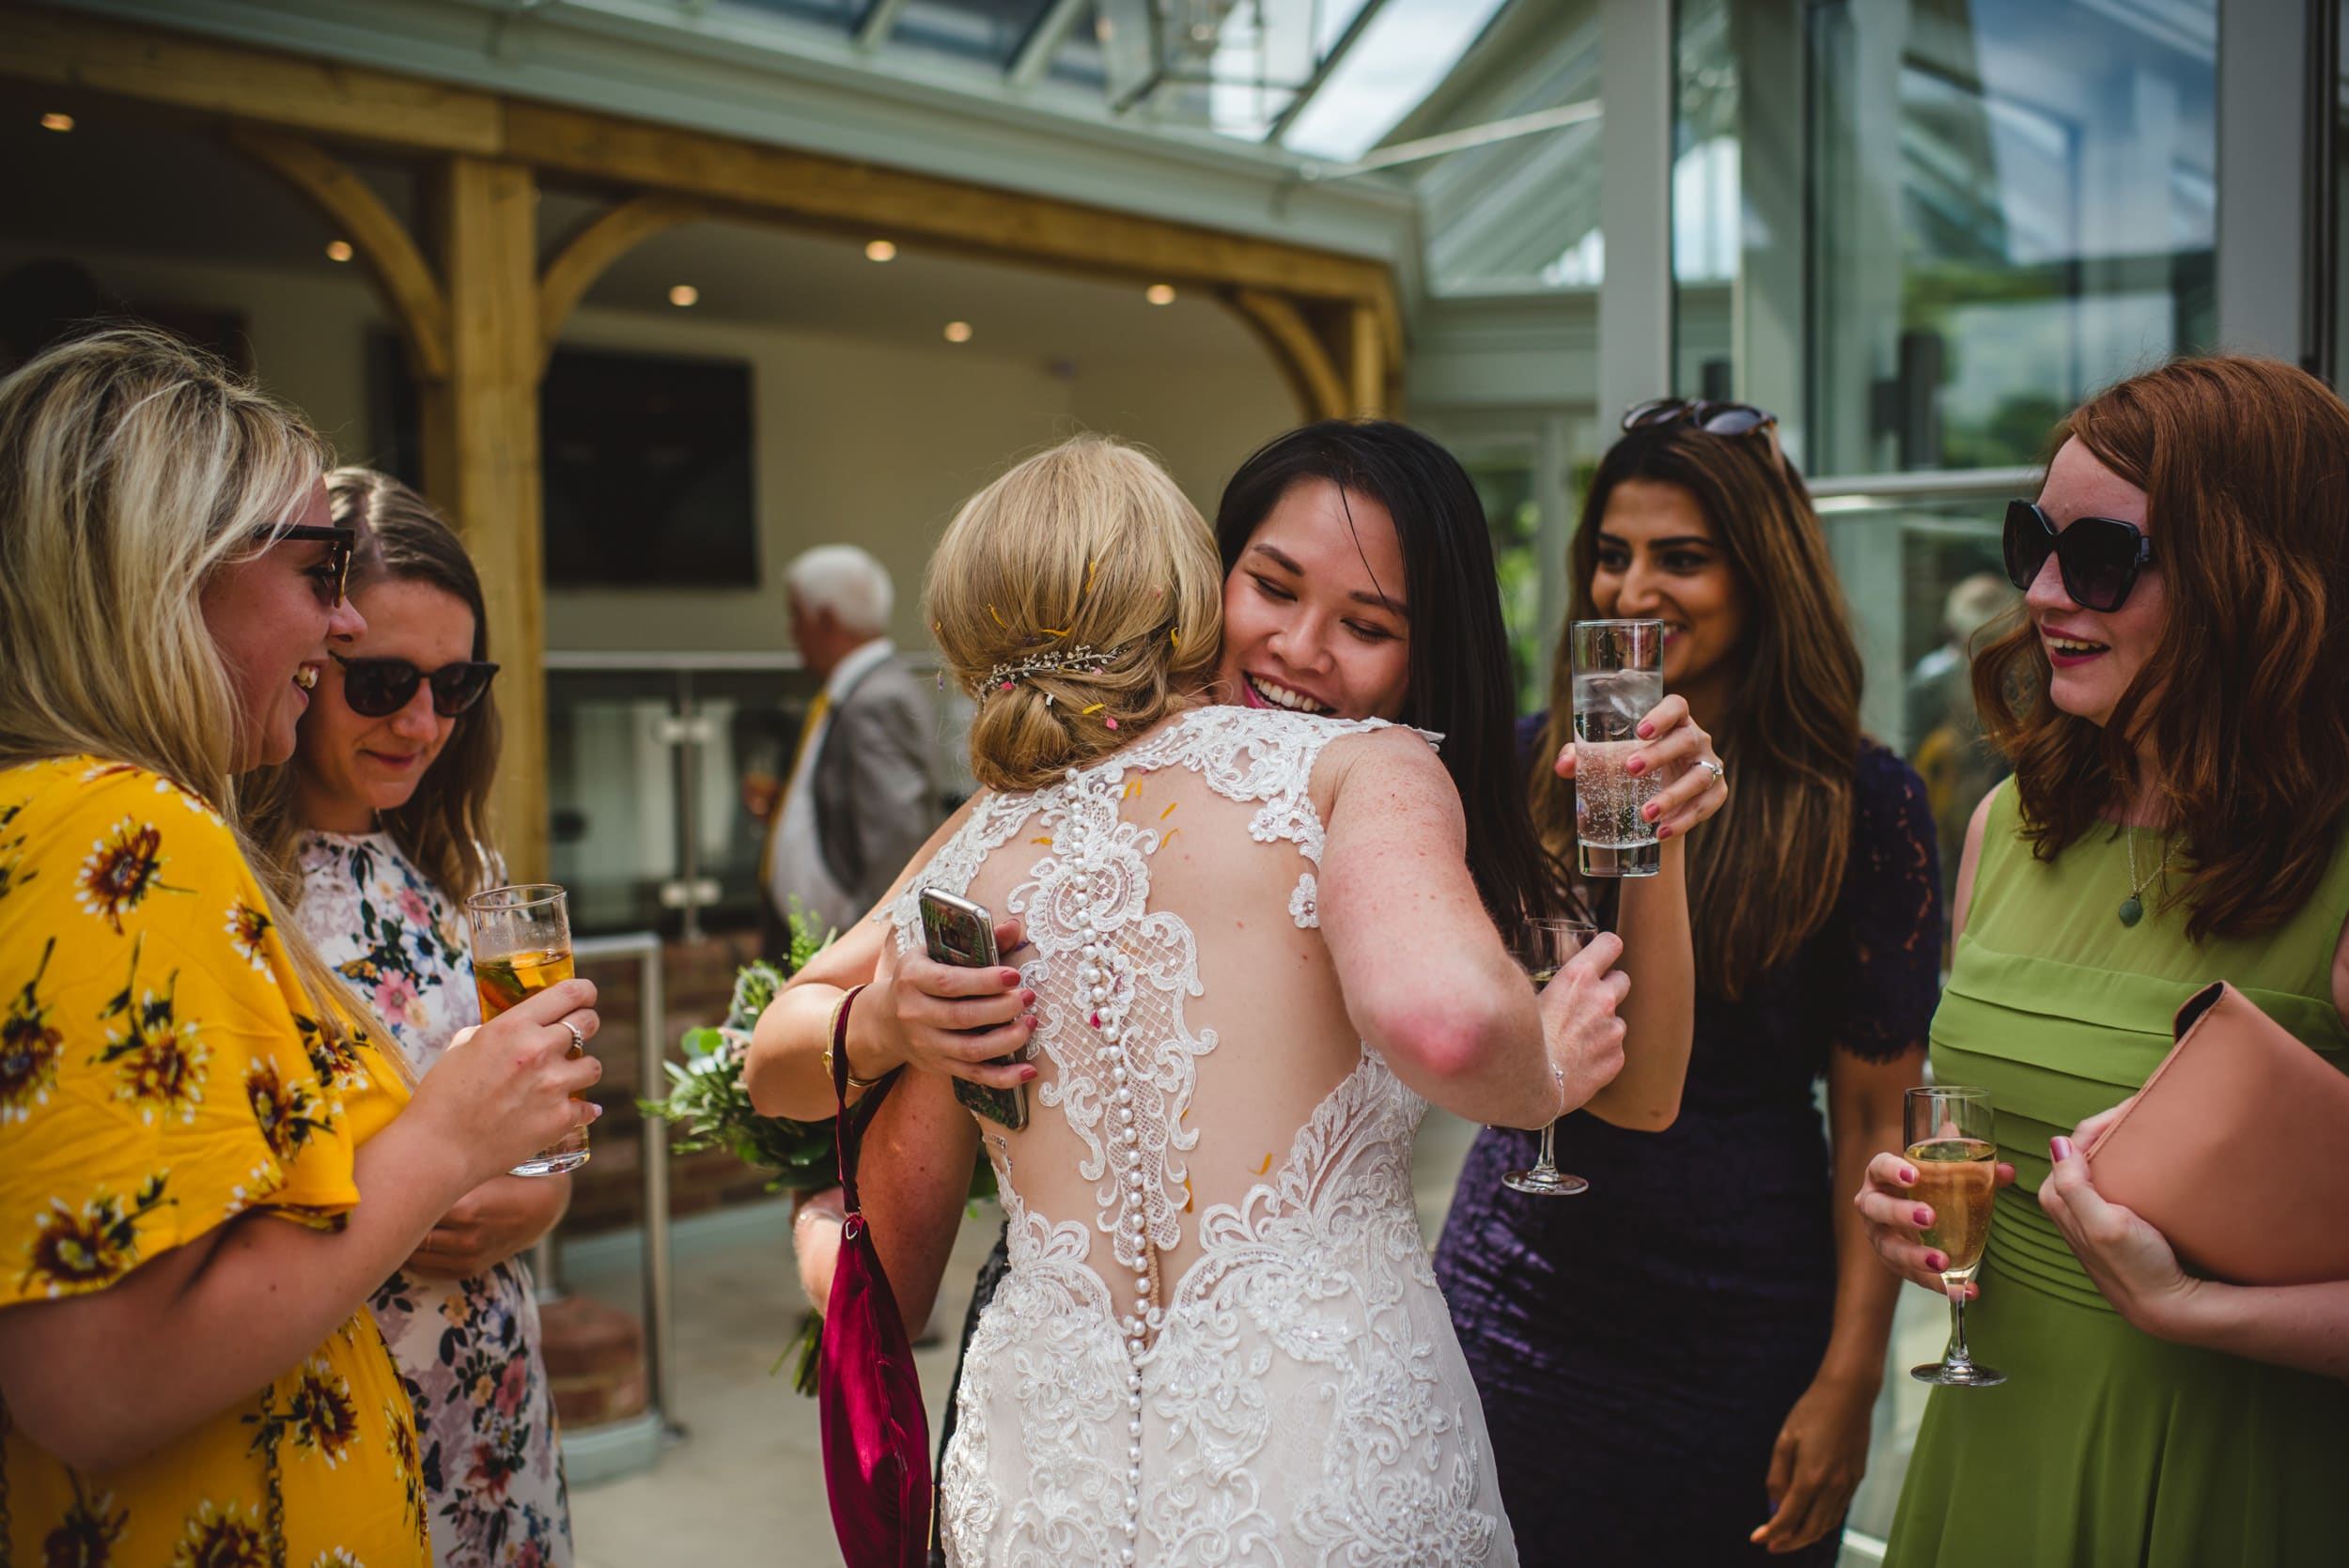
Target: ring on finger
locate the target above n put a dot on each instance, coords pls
(1720, 774)
(579, 1041)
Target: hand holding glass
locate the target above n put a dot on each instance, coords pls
(1952, 1141)
(1543, 948)
(522, 944)
(1618, 682)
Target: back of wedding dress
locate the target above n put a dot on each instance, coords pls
(1220, 1340)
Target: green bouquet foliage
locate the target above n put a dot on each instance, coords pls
(710, 1106)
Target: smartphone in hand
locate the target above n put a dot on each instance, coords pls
(961, 933)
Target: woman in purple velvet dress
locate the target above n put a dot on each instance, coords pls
(1679, 1366)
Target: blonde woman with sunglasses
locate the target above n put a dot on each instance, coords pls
(207, 1161)
(382, 809)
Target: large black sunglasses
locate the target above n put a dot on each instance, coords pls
(378, 688)
(334, 576)
(2099, 557)
(1714, 418)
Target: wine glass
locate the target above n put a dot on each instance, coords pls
(1542, 948)
(1953, 1142)
(522, 944)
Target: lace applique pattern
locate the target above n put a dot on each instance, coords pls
(1314, 1295)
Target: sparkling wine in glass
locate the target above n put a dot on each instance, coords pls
(1953, 1144)
(1542, 947)
(522, 944)
(1618, 680)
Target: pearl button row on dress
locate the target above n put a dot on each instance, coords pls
(1098, 973)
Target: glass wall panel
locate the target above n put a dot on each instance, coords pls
(1982, 209)
(2013, 203)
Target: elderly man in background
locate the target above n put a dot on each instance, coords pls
(860, 798)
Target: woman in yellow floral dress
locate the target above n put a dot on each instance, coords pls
(183, 1381)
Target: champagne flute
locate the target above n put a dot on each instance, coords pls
(522, 944)
(1542, 947)
(1953, 1142)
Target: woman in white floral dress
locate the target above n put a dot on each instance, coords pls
(380, 809)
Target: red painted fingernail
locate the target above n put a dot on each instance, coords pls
(1027, 998)
(1647, 731)
(2061, 1146)
(1636, 767)
(1907, 1174)
(1029, 1075)
(1935, 1262)
(1662, 833)
(1011, 977)
(1651, 811)
(1922, 1214)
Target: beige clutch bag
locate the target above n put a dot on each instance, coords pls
(2238, 1149)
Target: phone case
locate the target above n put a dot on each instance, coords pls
(959, 932)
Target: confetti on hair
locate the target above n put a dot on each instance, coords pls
(1055, 630)
(1175, 637)
(999, 620)
(1111, 722)
(1168, 810)
(1091, 567)
(1096, 709)
(1006, 686)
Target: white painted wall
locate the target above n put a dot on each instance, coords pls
(855, 441)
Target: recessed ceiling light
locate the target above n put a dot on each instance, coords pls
(957, 332)
(684, 294)
(56, 122)
(338, 249)
(880, 250)
(1159, 294)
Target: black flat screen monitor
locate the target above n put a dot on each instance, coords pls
(648, 471)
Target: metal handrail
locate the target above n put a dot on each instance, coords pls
(652, 1084)
(1929, 484)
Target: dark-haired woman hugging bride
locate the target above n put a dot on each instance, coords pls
(1219, 1339)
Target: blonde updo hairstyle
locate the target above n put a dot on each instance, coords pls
(1086, 544)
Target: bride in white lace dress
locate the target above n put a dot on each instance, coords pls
(1256, 956)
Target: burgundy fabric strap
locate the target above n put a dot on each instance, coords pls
(850, 1129)
(876, 1435)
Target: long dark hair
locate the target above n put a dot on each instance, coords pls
(2245, 466)
(1462, 683)
(1765, 873)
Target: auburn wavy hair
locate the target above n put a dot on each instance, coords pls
(1765, 873)
(2243, 707)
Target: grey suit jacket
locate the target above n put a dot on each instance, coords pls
(876, 799)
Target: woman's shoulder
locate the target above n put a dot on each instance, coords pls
(102, 834)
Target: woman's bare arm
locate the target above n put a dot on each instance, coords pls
(913, 1176)
(1660, 1014)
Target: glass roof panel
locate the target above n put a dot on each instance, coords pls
(1404, 53)
(990, 30)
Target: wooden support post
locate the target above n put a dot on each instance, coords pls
(482, 461)
(1367, 362)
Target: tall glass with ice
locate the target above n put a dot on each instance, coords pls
(1618, 680)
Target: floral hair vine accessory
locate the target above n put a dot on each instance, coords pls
(1082, 660)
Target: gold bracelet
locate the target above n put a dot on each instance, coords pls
(832, 1032)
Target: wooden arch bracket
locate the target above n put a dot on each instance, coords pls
(586, 254)
(1321, 393)
(401, 271)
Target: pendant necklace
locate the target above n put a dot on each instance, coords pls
(2133, 906)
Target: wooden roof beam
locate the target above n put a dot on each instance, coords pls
(284, 90)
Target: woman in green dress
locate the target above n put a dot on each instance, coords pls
(2175, 703)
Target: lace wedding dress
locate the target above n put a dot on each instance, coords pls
(1220, 1340)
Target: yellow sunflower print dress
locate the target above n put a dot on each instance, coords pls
(158, 1078)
